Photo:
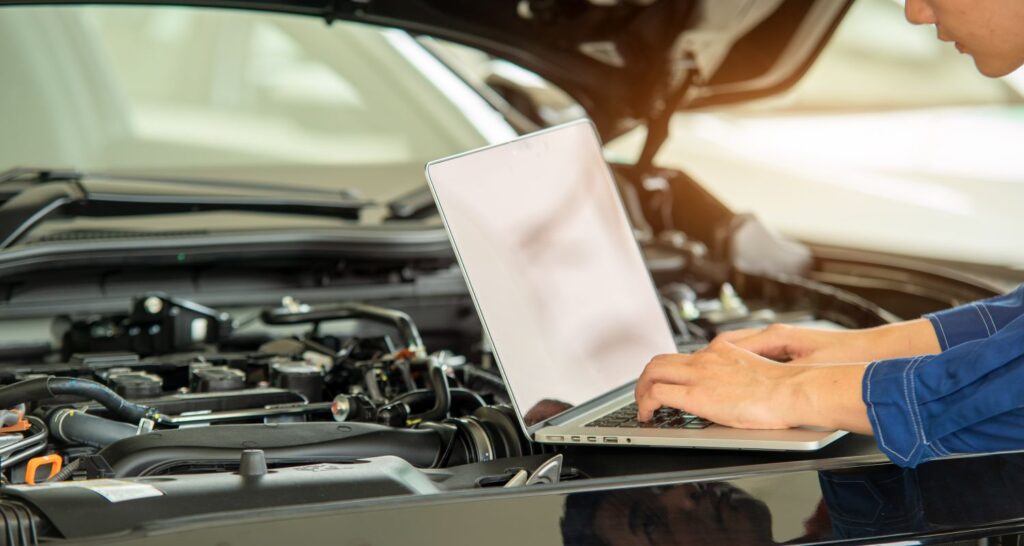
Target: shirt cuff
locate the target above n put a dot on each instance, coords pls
(961, 324)
(890, 395)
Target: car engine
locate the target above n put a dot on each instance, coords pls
(183, 369)
(260, 407)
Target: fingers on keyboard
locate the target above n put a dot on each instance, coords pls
(663, 418)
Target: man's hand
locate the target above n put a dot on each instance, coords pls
(737, 388)
(796, 345)
(723, 383)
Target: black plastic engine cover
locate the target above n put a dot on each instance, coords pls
(218, 447)
(98, 507)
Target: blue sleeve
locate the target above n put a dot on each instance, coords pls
(967, 399)
(977, 320)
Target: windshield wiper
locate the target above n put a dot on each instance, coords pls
(413, 205)
(32, 174)
(15, 180)
(35, 195)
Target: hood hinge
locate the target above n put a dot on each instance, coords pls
(334, 8)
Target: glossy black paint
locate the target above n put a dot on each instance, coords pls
(869, 502)
(849, 495)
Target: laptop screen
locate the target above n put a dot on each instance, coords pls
(555, 271)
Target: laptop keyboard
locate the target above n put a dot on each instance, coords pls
(663, 418)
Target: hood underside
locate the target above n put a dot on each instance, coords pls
(621, 59)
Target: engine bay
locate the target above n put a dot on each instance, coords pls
(186, 409)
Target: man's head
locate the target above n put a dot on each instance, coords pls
(990, 31)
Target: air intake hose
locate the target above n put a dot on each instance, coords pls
(42, 388)
(76, 427)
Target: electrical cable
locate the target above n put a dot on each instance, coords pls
(66, 472)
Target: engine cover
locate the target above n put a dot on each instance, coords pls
(95, 507)
(217, 448)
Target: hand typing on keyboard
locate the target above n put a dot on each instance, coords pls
(734, 387)
(663, 418)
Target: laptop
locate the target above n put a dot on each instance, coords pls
(563, 294)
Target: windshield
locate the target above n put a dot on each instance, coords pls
(229, 94)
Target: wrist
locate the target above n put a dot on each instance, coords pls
(911, 338)
(794, 398)
(824, 396)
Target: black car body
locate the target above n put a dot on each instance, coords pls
(358, 435)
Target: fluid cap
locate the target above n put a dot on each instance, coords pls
(253, 463)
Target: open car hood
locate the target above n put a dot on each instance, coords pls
(623, 60)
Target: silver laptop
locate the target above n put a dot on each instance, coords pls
(563, 293)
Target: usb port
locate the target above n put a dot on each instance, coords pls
(575, 438)
(591, 438)
(611, 440)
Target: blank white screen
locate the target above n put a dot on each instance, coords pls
(551, 259)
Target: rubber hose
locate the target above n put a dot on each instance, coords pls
(42, 388)
(438, 383)
(491, 380)
(463, 402)
(76, 427)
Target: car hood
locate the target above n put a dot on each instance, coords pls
(621, 59)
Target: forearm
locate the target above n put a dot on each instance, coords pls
(903, 339)
(826, 396)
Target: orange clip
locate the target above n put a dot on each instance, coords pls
(403, 354)
(21, 426)
(34, 463)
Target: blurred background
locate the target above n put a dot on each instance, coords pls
(892, 141)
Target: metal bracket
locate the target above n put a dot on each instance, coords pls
(548, 472)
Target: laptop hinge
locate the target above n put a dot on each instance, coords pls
(583, 408)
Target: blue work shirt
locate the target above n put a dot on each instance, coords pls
(969, 398)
